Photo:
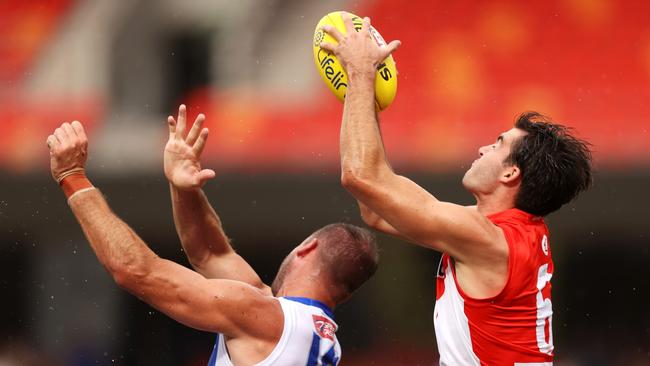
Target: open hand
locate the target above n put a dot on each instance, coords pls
(182, 153)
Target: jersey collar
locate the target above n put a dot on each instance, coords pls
(312, 302)
(515, 213)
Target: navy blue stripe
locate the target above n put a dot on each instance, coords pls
(213, 356)
(312, 302)
(330, 358)
(314, 351)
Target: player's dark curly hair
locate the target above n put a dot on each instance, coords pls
(555, 166)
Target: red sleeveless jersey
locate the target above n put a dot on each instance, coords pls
(513, 327)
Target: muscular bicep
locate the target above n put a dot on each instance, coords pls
(221, 306)
(417, 215)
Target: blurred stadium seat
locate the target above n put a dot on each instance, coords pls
(467, 68)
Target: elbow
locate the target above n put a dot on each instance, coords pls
(357, 180)
(370, 219)
(358, 175)
(129, 275)
(348, 179)
(121, 278)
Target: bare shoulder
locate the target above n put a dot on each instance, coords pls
(243, 310)
(253, 308)
(257, 315)
(469, 217)
(255, 321)
(470, 236)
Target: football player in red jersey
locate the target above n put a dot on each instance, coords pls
(493, 289)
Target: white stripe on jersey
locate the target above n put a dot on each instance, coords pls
(452, 327)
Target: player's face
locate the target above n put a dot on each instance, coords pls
(483, 177)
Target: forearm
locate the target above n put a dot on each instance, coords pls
(362, 150)
(204, 241)
(184, 295)
(117, 247)
(198, 225)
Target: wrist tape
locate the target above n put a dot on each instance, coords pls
(73, 181)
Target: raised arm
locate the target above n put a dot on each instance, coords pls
(197, 224)
(401, 204)
(370, 217)
(376, 222)
(230, 307)
(221, 306)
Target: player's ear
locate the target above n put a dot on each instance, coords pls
(307, 247)
(511, 175)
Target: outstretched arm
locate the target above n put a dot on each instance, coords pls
(197, 224)
(400, 205)
(221, 306)
(224, 306)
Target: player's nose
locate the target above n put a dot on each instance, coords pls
(482, 150)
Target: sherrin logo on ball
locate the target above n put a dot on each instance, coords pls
(334, 75)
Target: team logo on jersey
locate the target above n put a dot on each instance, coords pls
(545, 245)
(325, 328)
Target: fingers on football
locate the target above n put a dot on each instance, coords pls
(349, 25)
(329, 47)
(333, 32)
(391, 47)
(199, 145)
(195, 130)
(365, 26)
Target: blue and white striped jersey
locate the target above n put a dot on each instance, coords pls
(308, 338)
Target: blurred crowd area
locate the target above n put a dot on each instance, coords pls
(466, 69)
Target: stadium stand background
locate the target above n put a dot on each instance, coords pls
(466, 68)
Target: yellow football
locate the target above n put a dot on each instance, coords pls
(333, 73)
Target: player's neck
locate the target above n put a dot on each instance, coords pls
(314, 290)
(488, 204)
